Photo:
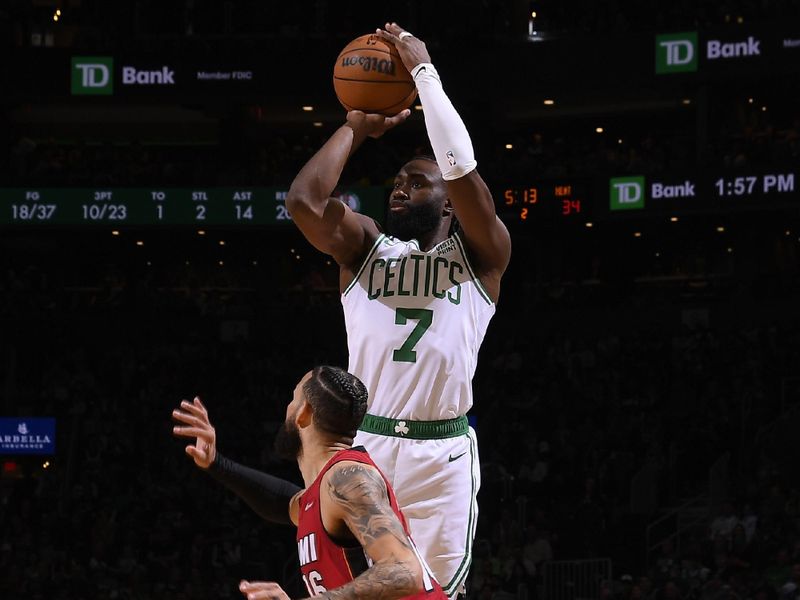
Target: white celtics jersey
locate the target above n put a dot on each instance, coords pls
(415, 321)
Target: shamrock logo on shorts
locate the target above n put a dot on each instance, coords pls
(401, 428)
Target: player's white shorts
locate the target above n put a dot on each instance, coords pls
(436, 483)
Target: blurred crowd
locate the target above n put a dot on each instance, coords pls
(743, 133)
(148, 21)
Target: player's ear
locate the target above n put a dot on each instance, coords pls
(448, 207)
(304, 414)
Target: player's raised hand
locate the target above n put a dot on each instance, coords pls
(375, 125)
(262, 590)
(195, 424)
(410, 48)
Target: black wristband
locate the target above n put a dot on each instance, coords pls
(266, 494)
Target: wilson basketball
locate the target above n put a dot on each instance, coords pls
(370, 76)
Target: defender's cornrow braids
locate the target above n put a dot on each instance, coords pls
(338, 398)
(347, 389)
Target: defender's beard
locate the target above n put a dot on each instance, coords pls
(288, 444)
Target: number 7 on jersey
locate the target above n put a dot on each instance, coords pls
(424, 318)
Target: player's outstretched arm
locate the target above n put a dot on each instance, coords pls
(272, 498)
(484, 233)
(357, 496)
(326, 222)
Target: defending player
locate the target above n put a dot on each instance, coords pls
(346, 516)
(417, 304)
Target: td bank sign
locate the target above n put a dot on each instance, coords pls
(678, 52)
(630, 193)
(94, 75)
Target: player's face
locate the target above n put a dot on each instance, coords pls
(288, 444)
(417, 200)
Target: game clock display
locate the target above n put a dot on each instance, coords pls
(543, 201)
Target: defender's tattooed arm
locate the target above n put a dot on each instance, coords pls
(360, 506)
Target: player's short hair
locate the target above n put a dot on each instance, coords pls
(338, 399)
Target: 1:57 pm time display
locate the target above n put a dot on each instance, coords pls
(747, 185)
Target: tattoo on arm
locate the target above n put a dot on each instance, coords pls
(361, 492)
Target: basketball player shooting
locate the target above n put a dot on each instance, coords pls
(417, 301)
(346, 514)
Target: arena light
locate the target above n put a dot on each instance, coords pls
(599, 130)
(533, 14)
(201, 232)
(619, 141)
(255, 263)
(114, 232)
(720, 229)
(549, 102)
(317, 123)
(308, 108)
(749, 100)
(637, 234)
(509, 146)
(221, 263)
(418, 107)
(674, 219)
(763, 109)
(730, 250)
(222, 242)
(139, 243)
(589, 224)
(686, 101)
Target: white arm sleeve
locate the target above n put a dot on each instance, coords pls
(448, 134)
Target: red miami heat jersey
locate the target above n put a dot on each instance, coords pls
(324, 564)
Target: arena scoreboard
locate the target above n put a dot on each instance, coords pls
(164, 206)
(548, 201)
(519, 203)
(564, 200)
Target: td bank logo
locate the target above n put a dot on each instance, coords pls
(92, 75)
(626, 193)
(676, 52)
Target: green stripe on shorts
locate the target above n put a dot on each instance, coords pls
(462, 570)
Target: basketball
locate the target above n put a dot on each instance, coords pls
(370, 76)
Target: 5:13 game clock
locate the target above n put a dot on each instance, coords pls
(543, 201)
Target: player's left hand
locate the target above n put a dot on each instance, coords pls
(411, 49)
(262, 590)
(374, 125)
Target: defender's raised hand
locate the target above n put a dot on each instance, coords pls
(410, 48)
(194, 417)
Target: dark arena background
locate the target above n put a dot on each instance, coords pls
(637, 397)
